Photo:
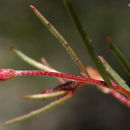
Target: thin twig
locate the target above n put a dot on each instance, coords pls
(41, 110)
(83, 80)
(60, 38)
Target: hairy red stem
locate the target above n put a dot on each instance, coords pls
(66, 76)
(6, 74)
(73, 77)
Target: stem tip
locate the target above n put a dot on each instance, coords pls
(32, 7)
(11, 48)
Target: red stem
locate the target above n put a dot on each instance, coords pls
(83, 80)
(66, 76)
(6, 74)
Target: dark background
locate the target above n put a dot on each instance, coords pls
(89, 108)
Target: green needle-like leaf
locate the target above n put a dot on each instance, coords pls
(88, 44)
(41, 110)
(119, 54)
(114, 74)
(32, 62)
(46, 95)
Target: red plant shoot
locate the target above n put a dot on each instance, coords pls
(7, 74)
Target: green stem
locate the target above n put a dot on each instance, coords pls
(60, 38)
(88, 44)
(119, 54)
(41, 110)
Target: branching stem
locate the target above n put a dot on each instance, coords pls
(72, 77)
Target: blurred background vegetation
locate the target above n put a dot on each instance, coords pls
(89, 108)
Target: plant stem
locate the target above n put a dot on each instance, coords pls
(89, 46)
(41, 110)
(54, 74)
(60, 38)
(72, 77)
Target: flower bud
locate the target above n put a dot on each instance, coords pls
(6, 74)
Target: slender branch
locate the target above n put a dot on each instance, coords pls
(60, 38)
(73, 77)
(41, 110)
(54, 74)
(87, 42)
(7, 74)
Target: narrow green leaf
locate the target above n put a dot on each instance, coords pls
(60, 38)
(88, 44)
(116, 77)
(32, 62)
(41, 110)
(119, 54)
(45, 96)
